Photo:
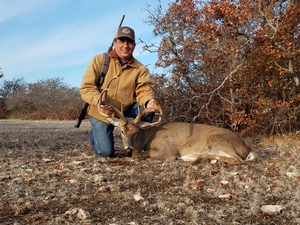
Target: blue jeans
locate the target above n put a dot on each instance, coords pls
(101, 136)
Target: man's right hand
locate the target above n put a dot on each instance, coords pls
(106, 107)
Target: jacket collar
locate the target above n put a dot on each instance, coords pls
(131, 62)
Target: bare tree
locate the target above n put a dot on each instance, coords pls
(1, 73)
(44, 99)
(233, 64)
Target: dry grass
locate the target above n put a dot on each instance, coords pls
(48, 176)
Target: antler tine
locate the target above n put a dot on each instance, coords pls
(140, 114)
(102, 101)
(119, 113)
(160, 114)
(103, 94)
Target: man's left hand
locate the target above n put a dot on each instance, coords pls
(151, 103)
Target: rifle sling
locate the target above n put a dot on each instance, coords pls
(104, 69)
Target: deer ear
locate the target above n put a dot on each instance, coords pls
(114, 121)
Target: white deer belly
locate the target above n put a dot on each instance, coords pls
(211, 151)
(190, 157)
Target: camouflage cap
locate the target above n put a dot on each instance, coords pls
(125, 32)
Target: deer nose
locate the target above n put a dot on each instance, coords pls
(128, 152)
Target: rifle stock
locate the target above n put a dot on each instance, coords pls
(81, 116)
(101, 80)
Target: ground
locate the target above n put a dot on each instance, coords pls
(48, 175)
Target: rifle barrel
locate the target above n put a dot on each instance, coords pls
(112, 43)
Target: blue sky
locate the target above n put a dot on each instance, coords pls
(42, 39)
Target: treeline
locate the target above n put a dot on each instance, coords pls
(44, 99)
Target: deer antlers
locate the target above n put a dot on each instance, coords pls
(120, 114)
(102, 101)
(140, 114)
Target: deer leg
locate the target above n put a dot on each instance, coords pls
(136, 154)
(220, 148)
(234, 160)
(158, 154)
(145, 154)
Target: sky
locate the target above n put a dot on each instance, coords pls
(42, 39)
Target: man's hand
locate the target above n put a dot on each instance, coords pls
(106, 107)
(151, 103)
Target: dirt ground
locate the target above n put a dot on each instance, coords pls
(49, 176)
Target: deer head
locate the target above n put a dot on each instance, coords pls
(129, 126)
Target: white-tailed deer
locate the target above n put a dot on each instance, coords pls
(190, 141)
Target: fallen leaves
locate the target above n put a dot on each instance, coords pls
(72, 186)
(271, 209)
(80, 213)
(196, 184)
(139, 200)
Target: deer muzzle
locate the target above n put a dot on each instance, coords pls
(128, 152)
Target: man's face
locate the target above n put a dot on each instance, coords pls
(124, 48)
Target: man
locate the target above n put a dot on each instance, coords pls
(128, 82)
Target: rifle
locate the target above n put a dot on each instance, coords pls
(99, 83)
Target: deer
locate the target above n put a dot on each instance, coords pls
(189, 141)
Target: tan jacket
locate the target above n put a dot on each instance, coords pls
(132, 83)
